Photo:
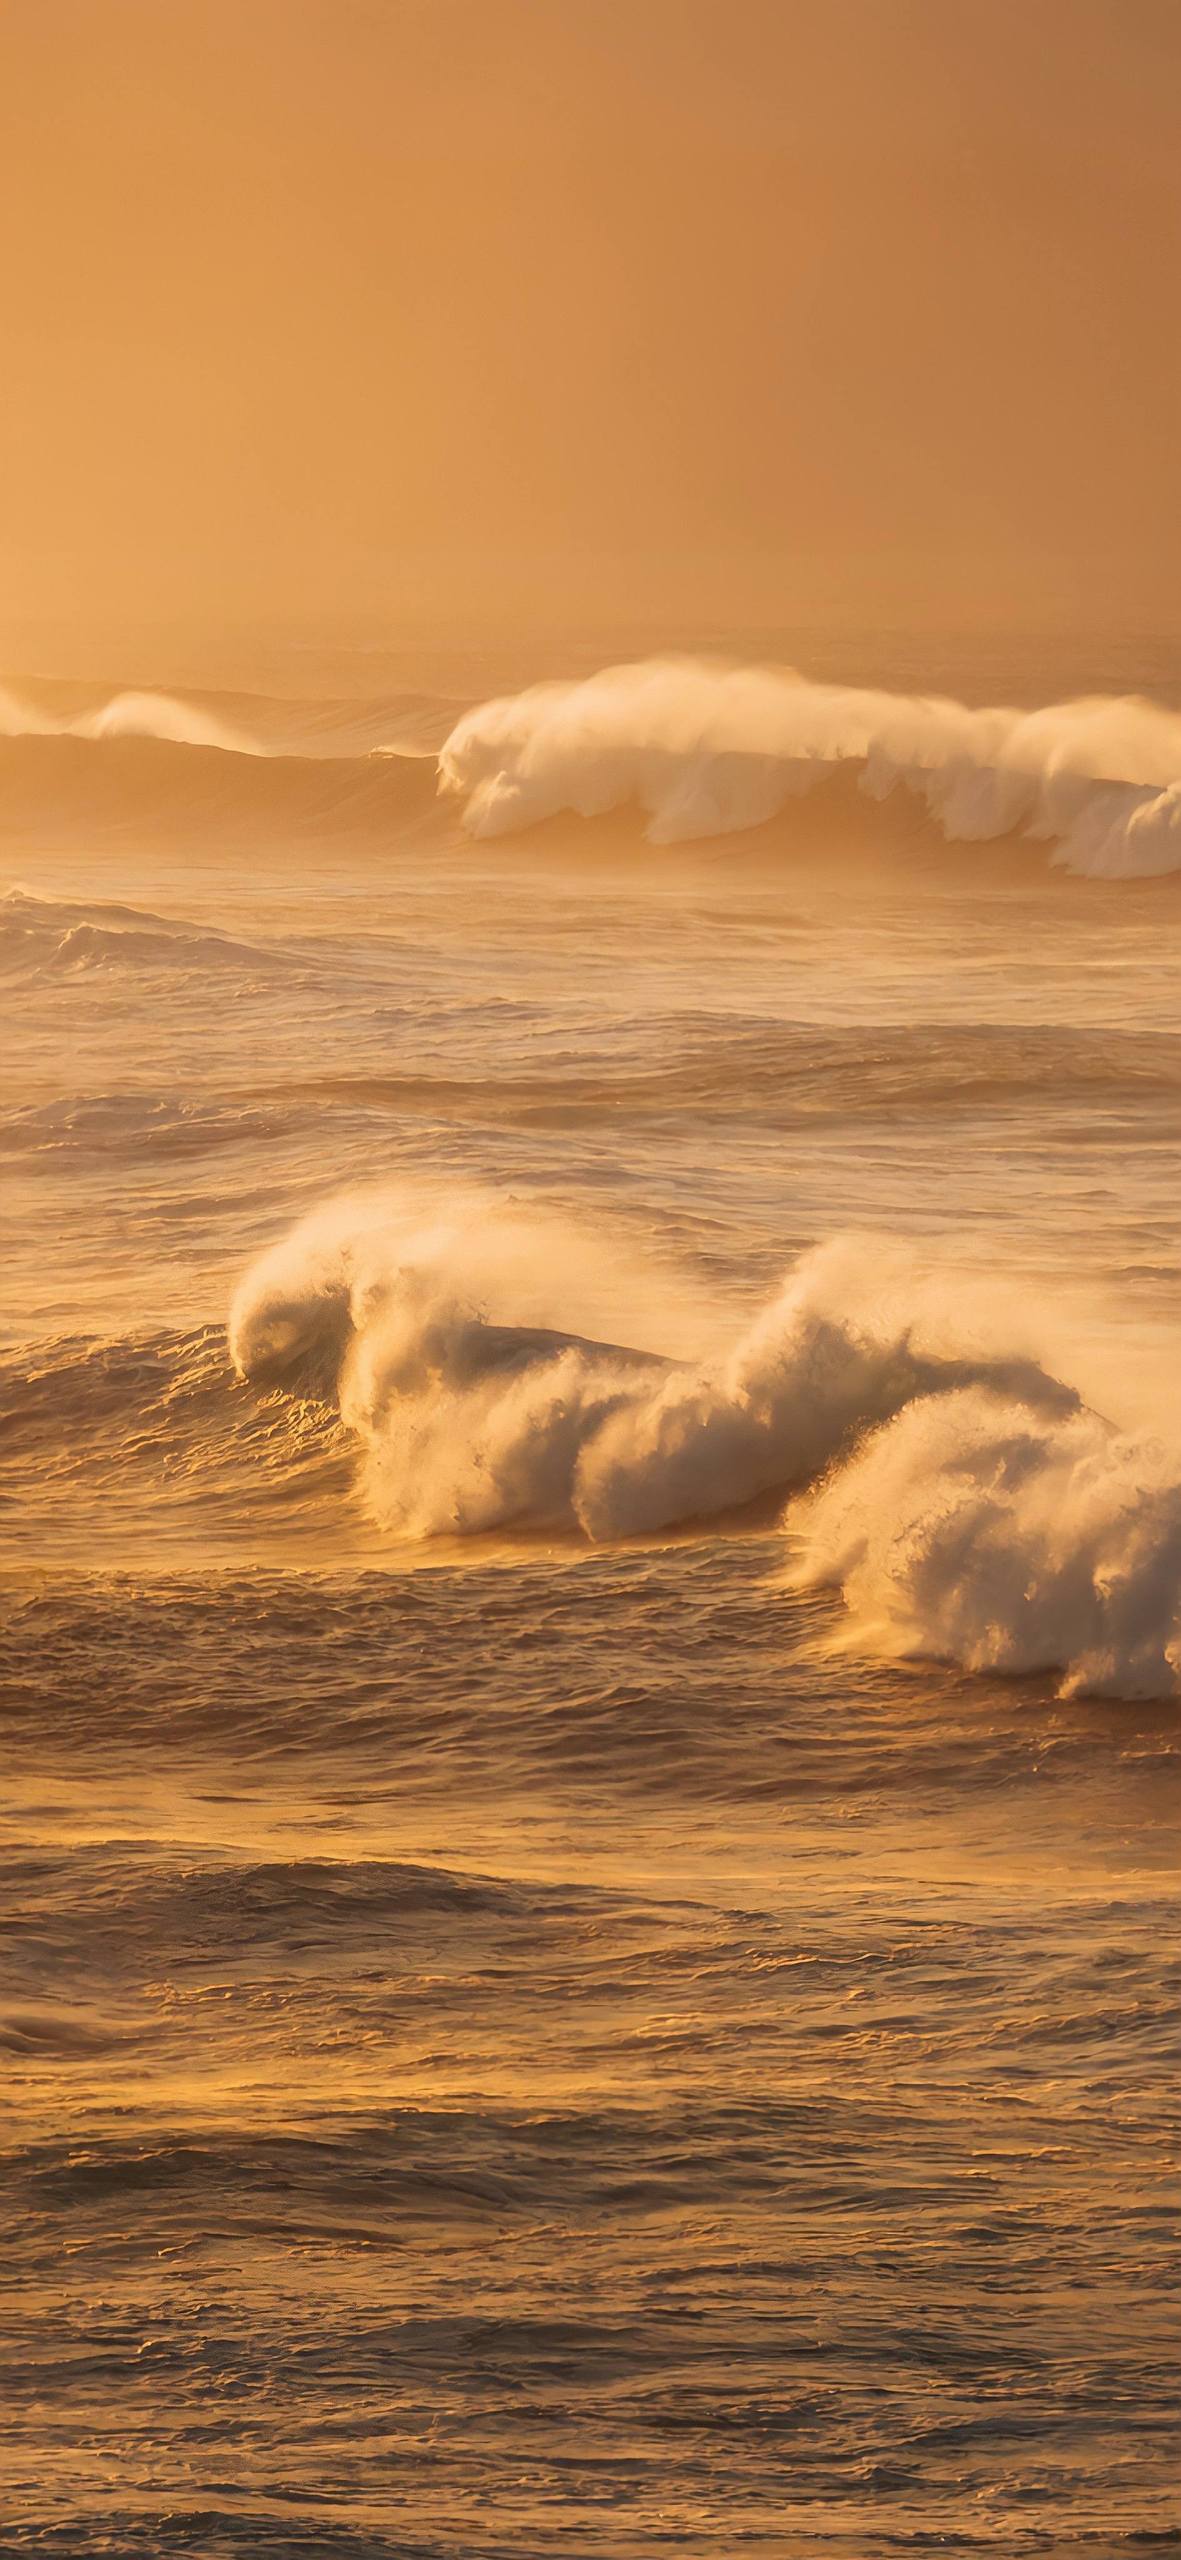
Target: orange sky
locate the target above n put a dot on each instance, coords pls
(335, 311)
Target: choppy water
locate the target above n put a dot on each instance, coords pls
(562, 1990)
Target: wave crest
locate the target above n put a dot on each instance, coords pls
(965, 1499)
(706, 750)
(987, 1533)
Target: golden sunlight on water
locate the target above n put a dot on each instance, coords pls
(527, 2009)
(590, 1439)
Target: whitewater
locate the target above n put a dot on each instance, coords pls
(590, 1557)
(703, 749)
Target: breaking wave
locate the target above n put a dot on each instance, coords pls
(472, 1419)
(963, 1496)
(701, 750)
(706, 750)
(984, 1530)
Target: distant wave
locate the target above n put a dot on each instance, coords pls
(135, 780)
(163, 716)
(247, 724)
(700, 750)
(970, 1505)
(706, 750)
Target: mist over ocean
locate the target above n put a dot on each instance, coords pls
(590, 1461)
(590, 1279)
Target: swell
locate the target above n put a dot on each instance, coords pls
(62, 937)
(138, 1129)
(477, 2162)
(788, 1075)
(97, 1907)
(1088, 1085)
(242, 723)
(131, 783)
(140, 1439)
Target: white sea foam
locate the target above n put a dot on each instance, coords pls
(964, 1497)
(979, 1530)
(459, 1352)
(704, 750)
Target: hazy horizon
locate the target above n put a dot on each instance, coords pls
(590, 1398)
(362, 318)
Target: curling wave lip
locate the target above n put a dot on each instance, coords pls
(705, 750)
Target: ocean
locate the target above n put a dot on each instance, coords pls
(590, 1621)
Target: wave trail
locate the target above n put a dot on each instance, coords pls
(961, 1493)
(706, 750)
